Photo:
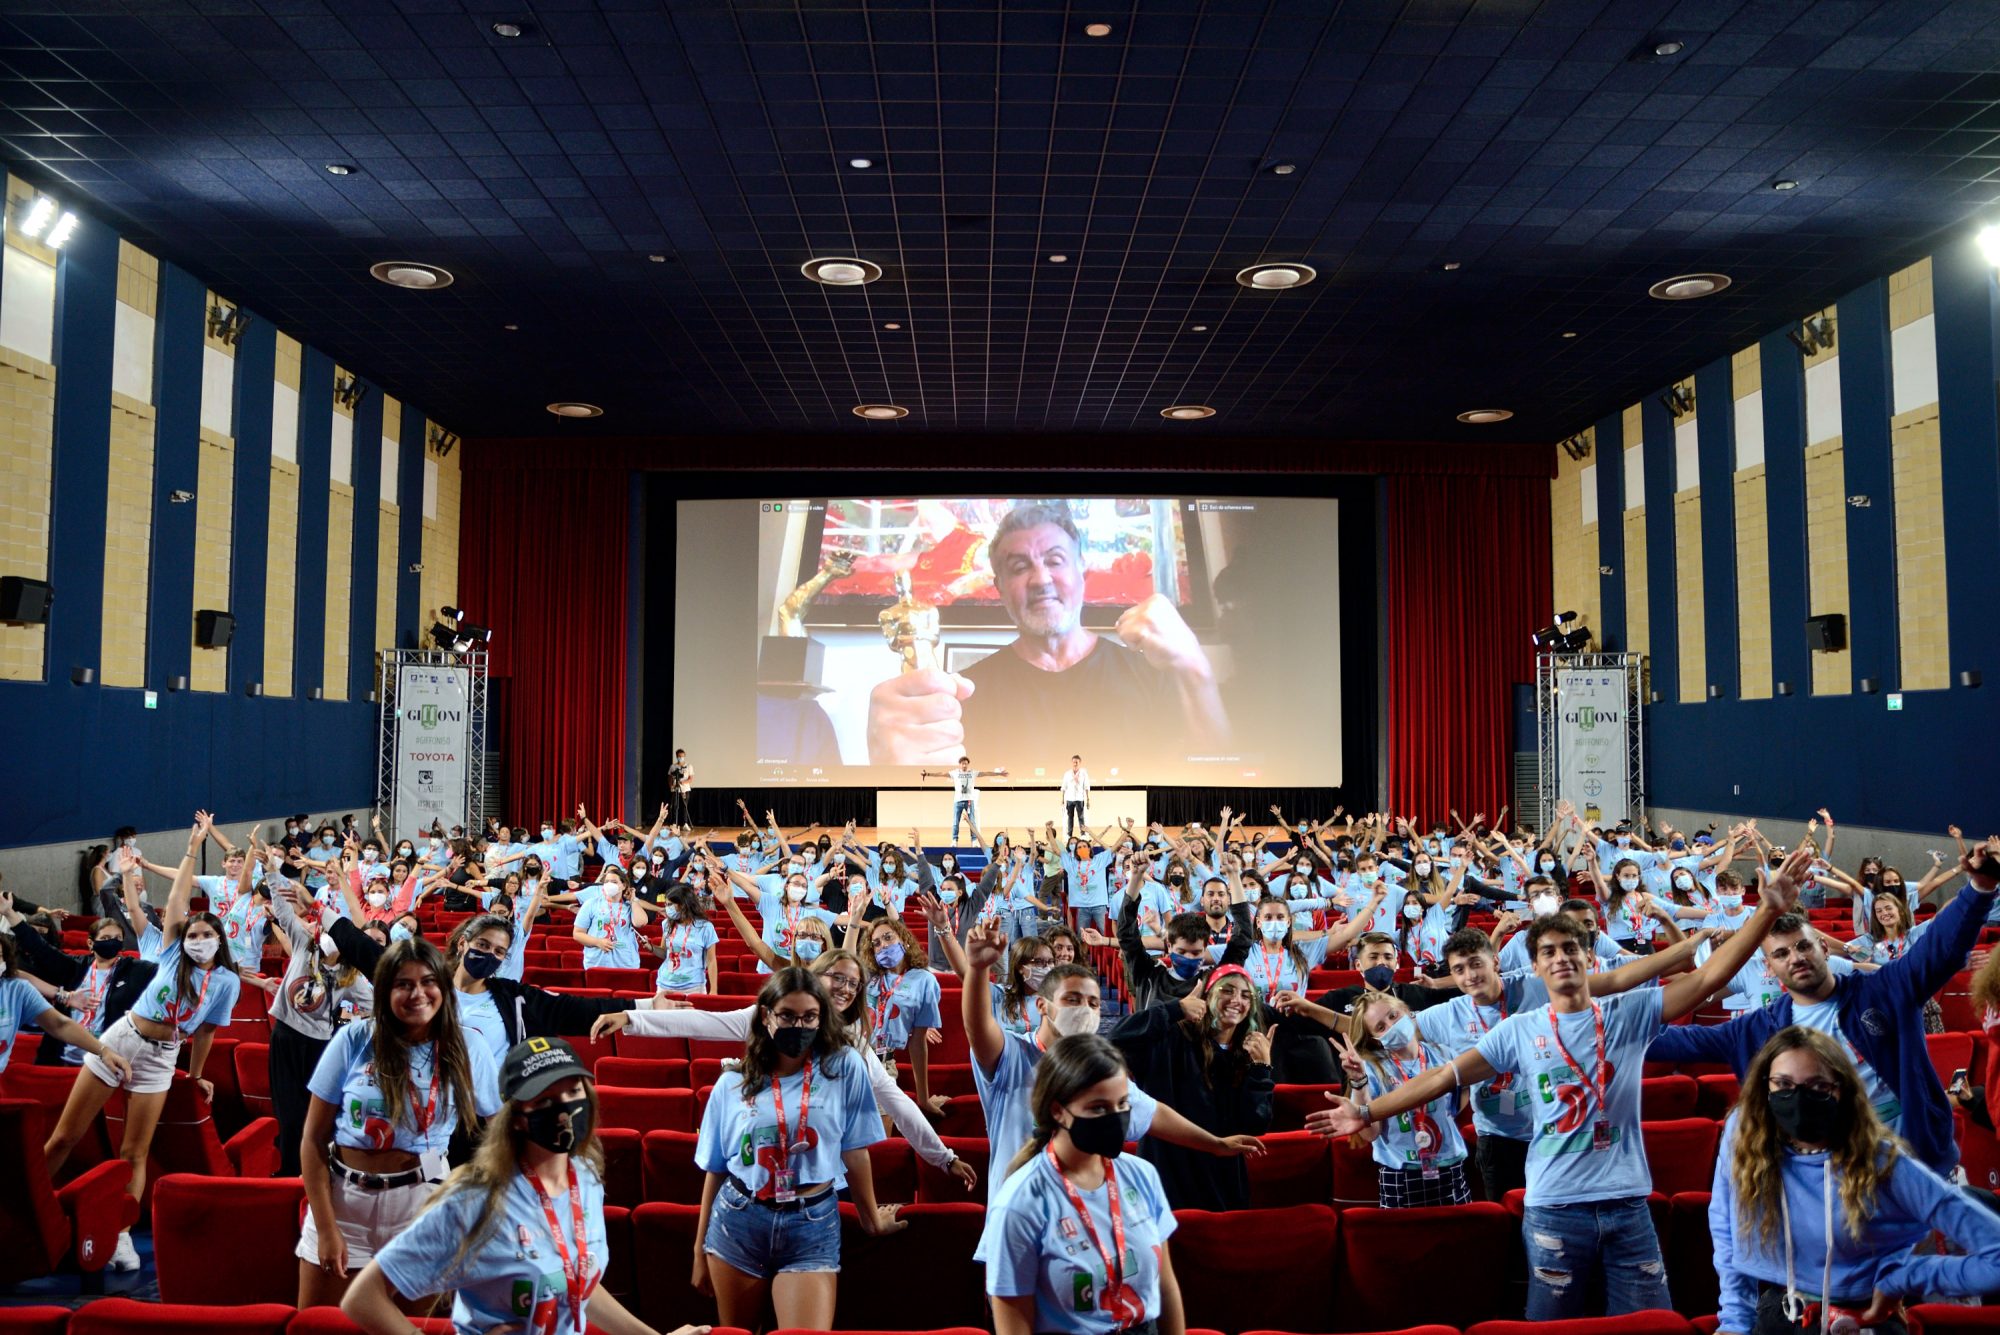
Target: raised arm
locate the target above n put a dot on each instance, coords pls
(174, 916)
(759, 947)
(985, 946)
(1779, 893)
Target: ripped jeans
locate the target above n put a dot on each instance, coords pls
(1574, 1251)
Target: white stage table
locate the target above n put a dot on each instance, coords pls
(929, 809)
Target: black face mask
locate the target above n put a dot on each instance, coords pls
(107, 947)
(794, 1042)
(559, 1127)
(481, 964)
(1808, 1116)
(1102, 1135)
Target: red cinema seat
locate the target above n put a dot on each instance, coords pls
(1295, 1169)
(620, 980)
(253, 1078)
(48, 1088)
(1951, 1319)
(736, 983)
(590, 1050)
(646, 1109)
(954, 1080)
(41, 1226)
(1412, 1330)
(333, 1321)
(1681, 1153)
(669, 1169)
(963, 1117)
(1667, 1098)
(667, 1300)
(1291, 1103)
(1353, 1174)
(713, 1049)
(254, 1223)
(935, 1186)
(34, 1320)
(628, 1044)
(926, 1268)
(1690, 1254)
(127, 1316)
(1949, 1053)
(643, 1072)
(1955, 999)
(1635, 1323)
(894, 1166)
(1474, 1244)
(621, 1268)
(1233, 1256)
(186, 1139)
(624, 1155)
(1715, 1096)
(705, 1071)
(1978, 1152)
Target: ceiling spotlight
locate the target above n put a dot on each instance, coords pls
(863, 163)
(892, 325)
(510, 328)
(1201, 329)
(1569, 333)
(1813, 335)
(451, 613)
(1481, 416)
(657, 259)
(1187, 412)
(1284, 168)
(227, 323)
(412, 274)
(567, 408)
(1785, 185)
(1668, 48)
(841, 271)
(339, 169)
(348, 391)
(1096, 30)
(1688, 286)
(40, 214)
(1577, 447)
(508, 30)
(60, 233)
(1451, 266)
(1678, 401)
(880, 412)
(1058, 259)
(1276, 277)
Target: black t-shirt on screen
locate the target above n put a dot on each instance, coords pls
(1111, 703)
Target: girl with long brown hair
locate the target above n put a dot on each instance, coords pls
(1817, 1206)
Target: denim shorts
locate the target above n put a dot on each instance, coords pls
(760, 1239)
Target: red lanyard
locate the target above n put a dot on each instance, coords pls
(424, 1113)
(1402, 1076)
(786, 1145)
(576, 1270)
(879, 1015)
(173, 1008)
(676, 940)
(1480, 1020)
(1272, 972)
(1597, 1079)
(1114, 1260)
(96, 992)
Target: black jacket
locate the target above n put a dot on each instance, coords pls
(1152, 982)
(1232, 1097)
(128, 979)
(526, 1011)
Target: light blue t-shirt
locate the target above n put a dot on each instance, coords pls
(517, 954)
(1405, 1139)
(741, 1139)
(243, 929)
(1514, 955)
(613, 922)
(151, 941)
(1387, 914)
(1566, 1166)
(479, 1017)
(1887, 950)
(1157, 906)
(900, 1003)
(1274, 970)
(1825, 1017)
(214, 997)
(1004, 1102)
(685, 966)
(1088, 888)
(513, 1279)
(20, 1004)
(1034, 1245)
(1027, 1021)
(1500, 1105)
(345, 1078)
(781, 923)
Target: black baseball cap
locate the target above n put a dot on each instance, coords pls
(535, 1064)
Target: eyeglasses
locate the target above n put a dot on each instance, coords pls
(796, 1019)
(1826, 1087)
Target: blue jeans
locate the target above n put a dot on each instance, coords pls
(1097, 916)
(754, 1238)
(1575, 1249)
(969, 814)
(1025, 922)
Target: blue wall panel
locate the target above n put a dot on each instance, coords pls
(315, 450)
(1610, 457)
(250, 518)
(1715, 439)
(1872, 641)
(1663, 644)
(410, 625)
(367, 523)
(1968, 310)
(177, 340)
(1785, 504)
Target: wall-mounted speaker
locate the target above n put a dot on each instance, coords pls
(1826, 634)
(24, 601)
(212, 629)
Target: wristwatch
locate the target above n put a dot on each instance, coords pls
(1367, 1118)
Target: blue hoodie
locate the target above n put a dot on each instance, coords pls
(1881, 1014)
(1911, 1202)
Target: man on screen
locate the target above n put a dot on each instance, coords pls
(1149, 693)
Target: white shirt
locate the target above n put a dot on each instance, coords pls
(1076, 785)
(964, 785)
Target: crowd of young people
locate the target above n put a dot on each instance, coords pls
(431, 1106)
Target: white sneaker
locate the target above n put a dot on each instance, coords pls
(126, 1257)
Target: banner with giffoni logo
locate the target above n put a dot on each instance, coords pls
(1593, 732)
(433, 722)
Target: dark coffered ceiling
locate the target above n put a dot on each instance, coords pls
(1542, 148)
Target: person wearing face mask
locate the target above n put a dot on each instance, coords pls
(192, 993)
(1419, 1154)
(784, 916)
(1358, 887)
(95, 987)
(1086, 873)
(608, 925)
(1209, 1056)
(779, 1136)
(1818, 1209)
(1284, 957)
(1728, 912)
(516, 1236)
(687, 946)
(1603, 951)
(903, 996)
(1302, 1052)
(958, 908)
(1003, 1063)
(1076, 1241)
(1017, 1003)
(1152, 979)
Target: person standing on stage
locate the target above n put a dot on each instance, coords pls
(1076, 797)
(965, 794)
(680, 779)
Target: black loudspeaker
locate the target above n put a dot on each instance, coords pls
(213, 629)
(24, 601)
(1827, 634)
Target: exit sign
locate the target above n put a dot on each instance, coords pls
(152, 699)
(1895, 702)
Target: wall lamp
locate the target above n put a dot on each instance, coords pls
(1814, 335)
(349, 391)
(1577, 447)
(1679, 401)
(47, 222)
(227, 323)
(442, 440)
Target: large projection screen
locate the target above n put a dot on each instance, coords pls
(1184, 640)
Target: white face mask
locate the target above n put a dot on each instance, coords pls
(795, 893)
(1628, 883)
(376, 899)
(1544, 905)
(200, 949)
(1069, 1021)
(1422, 866)
(613, 891)
(548, 832)
(369, 855)
(1413, 911)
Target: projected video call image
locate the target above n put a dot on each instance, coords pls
(1167, 639)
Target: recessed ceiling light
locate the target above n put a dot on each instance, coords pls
(657, 259)
(1451, 266)
(1058, 259)
(1187, 412)
(1096, 30)
(892, 325)
(412, 274)
(1481, 416)
(863, 163)
(507, 29)
(510, 328)
(1201, 329)
(339, 169)
(1668, 48)
(880, 412)
(841, 271)
(1785, 185)
(1276, 277)
(1688, 286)
(1284, 168)
(1569, 333)
(567, 408)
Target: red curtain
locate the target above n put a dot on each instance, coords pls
(542, 561)
(1466, 583)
